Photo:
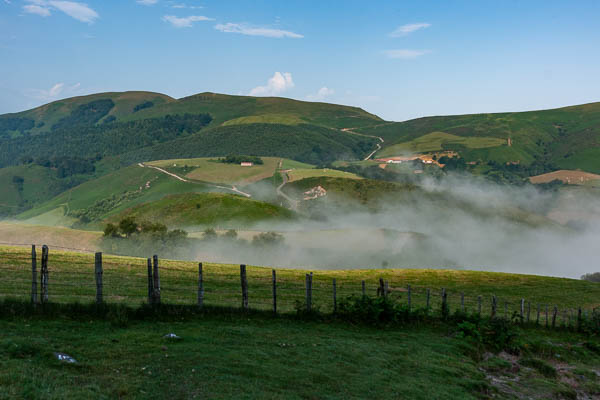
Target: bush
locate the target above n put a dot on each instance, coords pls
(539, 365)
(372, 310)
(591, 277)
(268, 239)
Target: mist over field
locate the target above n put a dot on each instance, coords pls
(457, 222)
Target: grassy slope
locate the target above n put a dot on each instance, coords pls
(303, 173)
(225, 108)
(50, 113)
(567, 134)
(39, 184)
(211, 170)
(115, 184)
(206, 209)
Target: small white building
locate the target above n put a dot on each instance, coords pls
(246, 164)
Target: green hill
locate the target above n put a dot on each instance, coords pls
(206, 209)
(566, 137)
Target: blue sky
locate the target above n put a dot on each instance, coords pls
(397, 59)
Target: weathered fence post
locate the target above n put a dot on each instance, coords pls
(364, 288)
(244, 282)
(579, 319)
(150, 283)
(522, 310)
(547, 322)
(334, 296)
(308, 292)
(156, 277)
(98, 273)
(44, 275)
(554, 313)
(479, 305)
(428, 298)
(274, 278)
(462, 302)
(494, 306)
(445, 310)
(33, 275)
(409, 298)
(200, 286)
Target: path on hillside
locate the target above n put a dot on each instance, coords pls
(367, 158)
(233, 188)
(293, 203)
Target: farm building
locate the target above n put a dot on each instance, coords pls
(315, 192)
(246, 164)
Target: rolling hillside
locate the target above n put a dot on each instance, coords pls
(566, 137)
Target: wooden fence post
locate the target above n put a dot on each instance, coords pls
(150, 283)
(98, 273)
(494, 306)
(547, 316)
(479, 305)
(364, 289)
(445, 310)
(554, 313)
(274, 278)
(200, 286)
(308, 292)
(409, 298)
(334, 296)
(33, 275)
(579, 319)
(156, 277)
(522, 310)
(462, 302)
(428, 297)
(244, 282)
(44, 275)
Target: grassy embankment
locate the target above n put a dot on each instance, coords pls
(226, 354)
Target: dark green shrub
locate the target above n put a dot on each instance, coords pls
(539, 365)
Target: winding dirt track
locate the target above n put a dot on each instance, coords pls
(232, 188)
(350, 130)
(293, 203)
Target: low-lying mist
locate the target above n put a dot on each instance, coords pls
(456, 222)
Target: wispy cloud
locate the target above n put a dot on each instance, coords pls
(409, 28)
(35, 9)
(405, 54)
(182, 5)
(54, 92)
(245, 29)
(147, 2)
(80, 11)
(321, 94)
(277, 84)
(185, 22)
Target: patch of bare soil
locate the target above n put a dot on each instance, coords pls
(566, 176)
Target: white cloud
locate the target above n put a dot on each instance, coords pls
(49, 94)
(277, 84)
(405, 54)
(147, 2)
(254, 31)
(185, 22)
(323, 93)
(409, 28)
(80, 11)
(35, 9)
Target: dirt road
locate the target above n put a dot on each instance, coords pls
(293, 203)
(350, 130)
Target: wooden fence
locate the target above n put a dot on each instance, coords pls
(270, 292)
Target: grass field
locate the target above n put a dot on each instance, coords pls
(285, 119)
(213, 171)
(298, 174)
(72, 279)
(293, 164)
(438, 141)
(206, 209)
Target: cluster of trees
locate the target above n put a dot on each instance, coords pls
(65, 165)
(240, 159)
(103, 140)
(141, 106)
(85, 114)
(592, 277)
(15, 124)
(263, 239)
(306, 143)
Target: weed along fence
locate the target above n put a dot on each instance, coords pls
(61, 277)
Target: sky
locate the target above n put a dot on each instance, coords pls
(397, 59)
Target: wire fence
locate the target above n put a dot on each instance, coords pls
(65, 277)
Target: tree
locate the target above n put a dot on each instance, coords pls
(128, 226)
(209, 234)
(268, 239)
(111, 230)
(592, 277)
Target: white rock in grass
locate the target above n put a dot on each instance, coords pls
(65, 358)
(172, 336)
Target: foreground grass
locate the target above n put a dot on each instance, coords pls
(229, 355)
(125, 281)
